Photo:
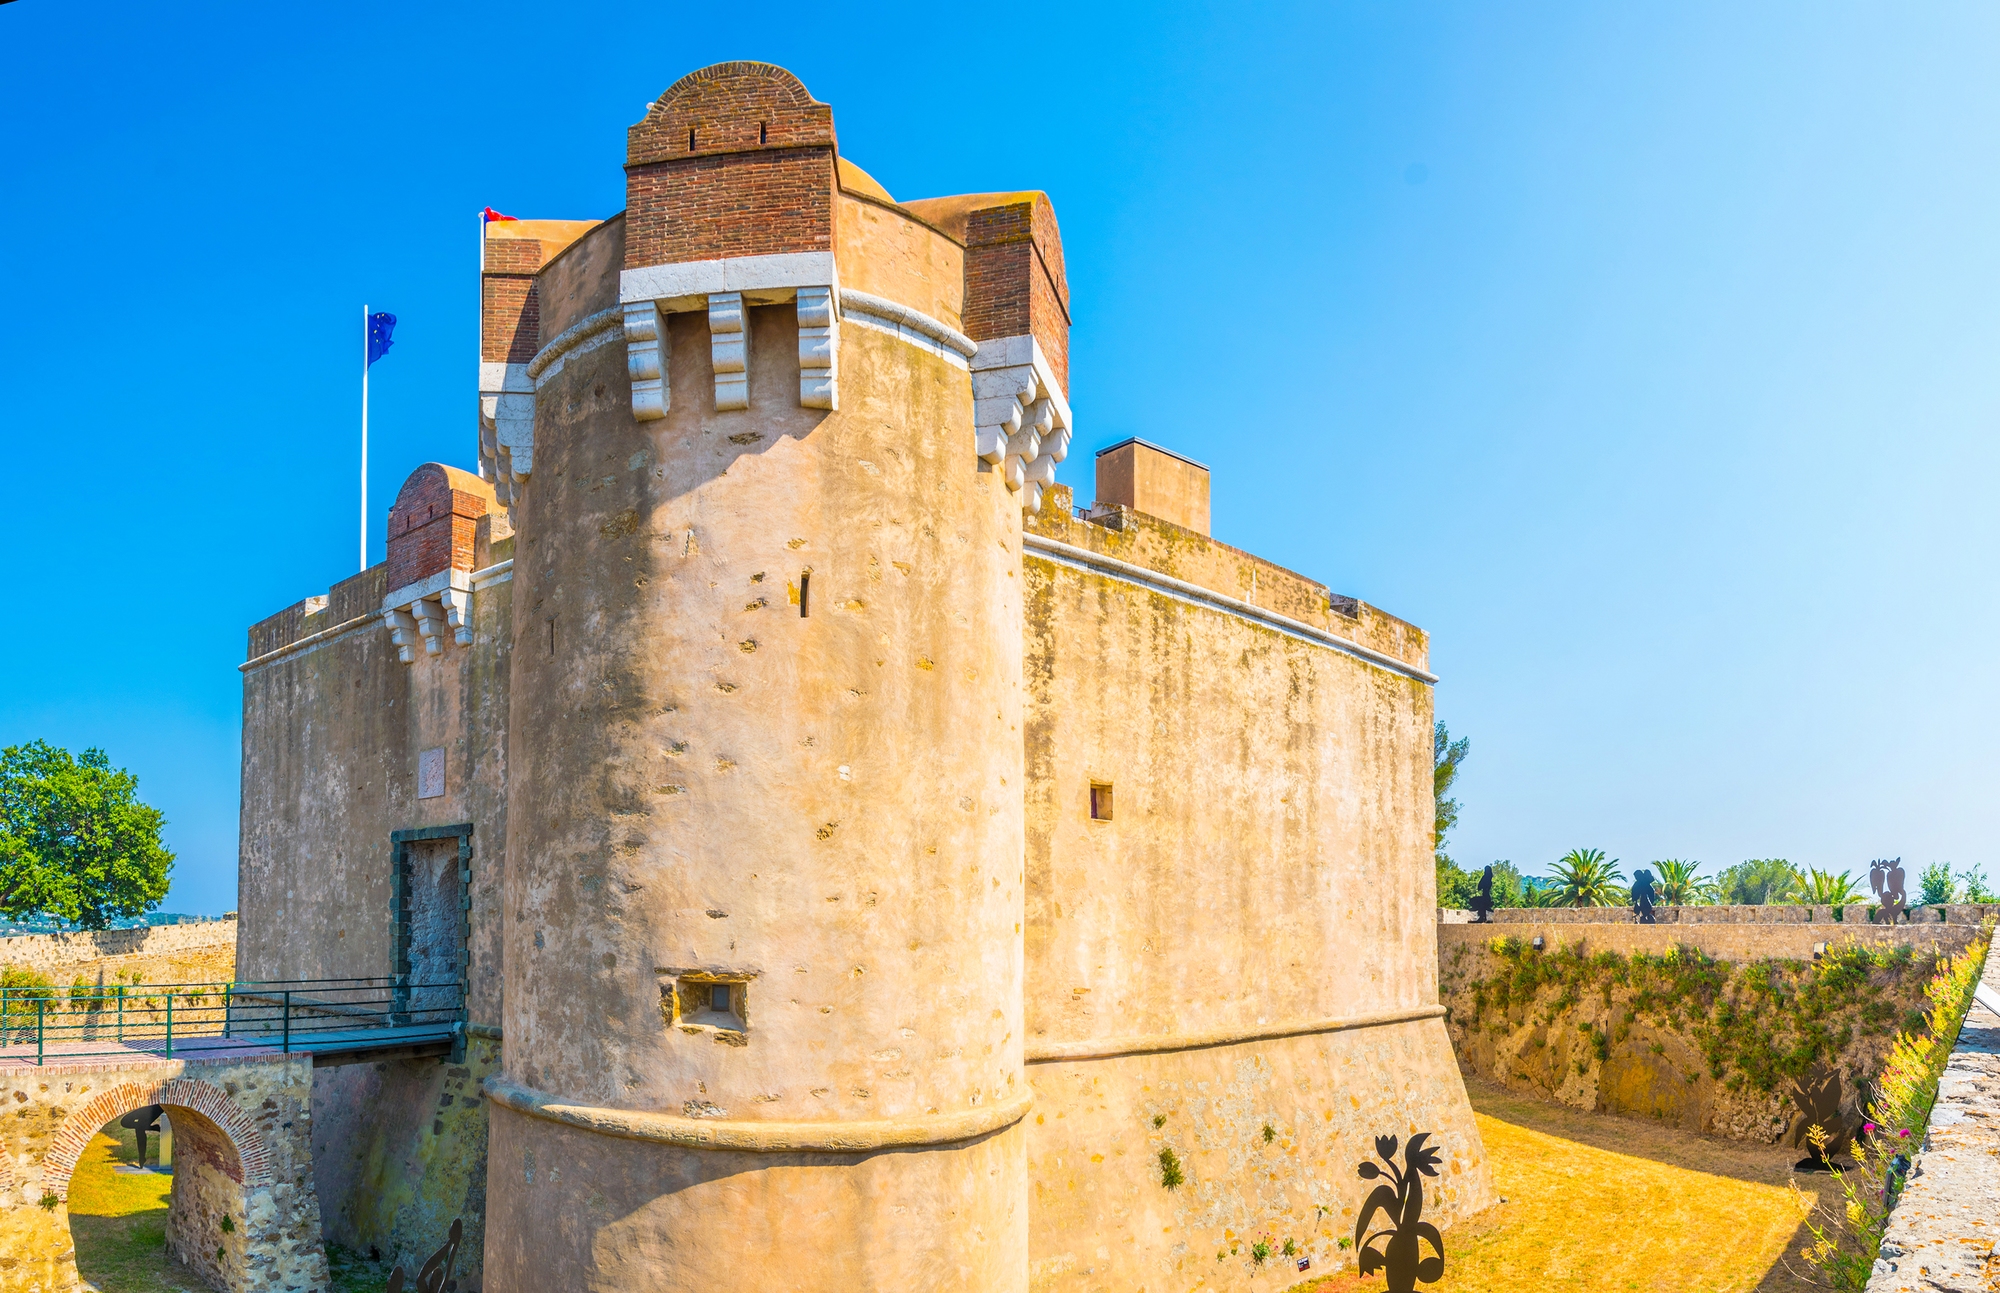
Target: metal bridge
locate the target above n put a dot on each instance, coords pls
(337, 1021)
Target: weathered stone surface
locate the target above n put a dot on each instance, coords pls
(243, 1215)
(1941, 1235)
(194, 953)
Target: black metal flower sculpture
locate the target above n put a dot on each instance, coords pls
(435, 1277)
(1402, 1259)
(1818, 1101)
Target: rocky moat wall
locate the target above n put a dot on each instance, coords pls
(198, 953)
(1700, 1025)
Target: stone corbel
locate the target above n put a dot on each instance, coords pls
(729, 350)
(646, 360)
(506, 428)
(423, 613)
(1021, 422)
(819, 348)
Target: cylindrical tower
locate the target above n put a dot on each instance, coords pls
(762, 1023)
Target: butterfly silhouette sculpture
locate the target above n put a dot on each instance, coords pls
(1401, 1259)
(1818, 1101)
(435, 1277)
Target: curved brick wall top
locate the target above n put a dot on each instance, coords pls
(435, 523)
(733, 160)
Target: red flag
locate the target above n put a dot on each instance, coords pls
(492, 215)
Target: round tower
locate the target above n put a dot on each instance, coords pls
(763, 947)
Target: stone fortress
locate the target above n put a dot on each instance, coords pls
(862, 869)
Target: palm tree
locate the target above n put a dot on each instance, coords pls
(1825, 889)
(1585, 878)
(1681, 887)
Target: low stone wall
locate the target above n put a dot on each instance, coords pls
(203, 953)
(1852, 914)
(1702, 1044)
(1736, 942)
(1941, 1235)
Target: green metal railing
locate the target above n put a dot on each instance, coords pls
(79, 1022)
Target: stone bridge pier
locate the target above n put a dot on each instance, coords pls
(244, 1215)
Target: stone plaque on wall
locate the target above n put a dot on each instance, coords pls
(430, 774)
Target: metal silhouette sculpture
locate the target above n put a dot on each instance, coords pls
(1402, 1259)
(435, 1277)
(143, 1121)
(1818, 1100)
(1482, 906)
(1887, 880)
(1642, 896)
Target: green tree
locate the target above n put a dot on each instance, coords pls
(1456, 887)
(1759, 880)
(1973, 885)
(1680, 886)
(1586, 878)
(1938, 885)
(1825, 889)
(75, 842)
(1446, 756)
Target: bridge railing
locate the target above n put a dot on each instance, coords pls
(48, 1023)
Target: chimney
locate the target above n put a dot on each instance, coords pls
(1156, 481)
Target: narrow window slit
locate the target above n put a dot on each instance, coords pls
(763, 132)
(690, 138)
(805, 593)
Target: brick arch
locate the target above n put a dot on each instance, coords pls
(783, 81)
(204, 1098)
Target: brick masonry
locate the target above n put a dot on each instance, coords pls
(1014, 280)
(433, 526)
(510, 307)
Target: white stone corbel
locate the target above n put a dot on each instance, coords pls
(1021, 421)
(506, 428)
(819, 348)
(646, 360)
(425, 612)
(729, 350)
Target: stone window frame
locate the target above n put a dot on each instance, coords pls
(400, 913)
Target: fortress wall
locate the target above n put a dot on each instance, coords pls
(1744, 942)
(820, 809)
(582, 280)
(200, 953)
(885, 253)
(1266, 868)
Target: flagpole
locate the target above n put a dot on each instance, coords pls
(364, 437)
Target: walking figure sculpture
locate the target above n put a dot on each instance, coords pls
(1642, 896)
(1402, 1260)
(142, 1121)
(1887, 880)
(1482, 906)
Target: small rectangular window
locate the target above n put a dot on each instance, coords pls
(1100, 801)
(718, 998)
(696, 1004)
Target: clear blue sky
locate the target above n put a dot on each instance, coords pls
(1643, 354)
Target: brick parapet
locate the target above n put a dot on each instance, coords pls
(1014, 279)
(434, 525)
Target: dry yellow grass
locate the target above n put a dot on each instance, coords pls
(1598, 1203)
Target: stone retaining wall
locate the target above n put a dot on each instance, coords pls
(1741, 942)
(203, 953)
(1941, 1235)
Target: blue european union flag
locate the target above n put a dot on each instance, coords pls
(381, 327)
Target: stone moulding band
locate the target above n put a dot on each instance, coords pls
(745, 1136)
(1064, 554)
(1111, 1047)
(887, 311)
(310, 640)
(572, 337)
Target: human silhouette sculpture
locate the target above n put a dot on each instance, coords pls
(1482, 906)
(142, 1121)
(1887, 880)
(1818, 1101)
(1642, 896)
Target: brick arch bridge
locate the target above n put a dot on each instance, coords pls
(242, 1151)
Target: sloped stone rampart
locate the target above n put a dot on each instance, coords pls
(1850, 917)
(1941, 1235)
(1707, 1047)
(241, 1130)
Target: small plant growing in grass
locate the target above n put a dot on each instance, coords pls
(49, 1202)
(1260, 1252)
(1269, 1134)
(1159, 1120)
(1170, 1169)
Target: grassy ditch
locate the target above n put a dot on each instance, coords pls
(1680, 1036)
